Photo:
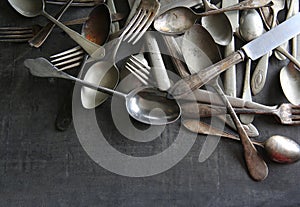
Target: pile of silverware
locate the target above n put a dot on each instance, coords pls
(193, 41)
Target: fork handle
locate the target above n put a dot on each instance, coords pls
(38, 39)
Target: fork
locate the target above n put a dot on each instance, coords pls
(141, 21)
(18, 34)
(23, 34)
(79, 3)
(134, 30)
(286, 113)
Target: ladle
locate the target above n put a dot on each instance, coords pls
(180, 19)
(205, 44)
(145, 104)
(279, 148)
(30, 8)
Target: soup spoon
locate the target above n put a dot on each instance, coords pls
(280, 149)
(31, 8)
(145, 104)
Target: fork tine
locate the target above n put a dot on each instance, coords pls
(295, 117)
(15, 28)
(150, 20)
(136, 25)
(141, 27)
(295, 109)
(70, 66)
(69, 61)
(66, 52)
(71, 55)
(134, 72)
(132, 21)
(138, 62)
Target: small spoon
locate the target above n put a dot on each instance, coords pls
(30, 8)
(279, 148)
(145, 104)
(256, 165)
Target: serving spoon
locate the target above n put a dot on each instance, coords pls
(279, 148)
(31, 8)
(145, 104)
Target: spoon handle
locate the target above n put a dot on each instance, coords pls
(247, 119)
(257, 167)
(260, 75)
(37, 40)
(200, 127)
(94, 50)
(248, 4)
(195, 81)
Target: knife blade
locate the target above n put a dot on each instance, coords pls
(254, 49)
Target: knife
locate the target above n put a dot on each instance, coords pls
(254, 49)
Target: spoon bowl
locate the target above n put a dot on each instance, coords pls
(290, 83)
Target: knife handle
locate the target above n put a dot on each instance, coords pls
(192, 82)
(260, 74)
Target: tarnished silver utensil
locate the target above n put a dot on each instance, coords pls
(279, 148)
(145, 104)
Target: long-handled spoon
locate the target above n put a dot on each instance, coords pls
(96, 29)
(30, 8)
(180, 19)
(256, 165)
(145, 104)
(279, 148)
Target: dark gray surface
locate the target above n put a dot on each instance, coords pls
(40, 166)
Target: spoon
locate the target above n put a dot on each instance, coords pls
(250, 28)
(145, 104)
(279, 148)
(277, 6)
(256, 165)
(30, 8)
(179, 19)
(290, 83)
(289, 76)
(97, 33)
